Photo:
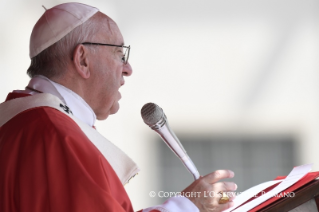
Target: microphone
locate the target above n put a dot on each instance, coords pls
(155, 118)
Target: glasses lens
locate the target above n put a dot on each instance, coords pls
(127, 54)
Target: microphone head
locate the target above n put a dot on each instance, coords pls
(151, 113)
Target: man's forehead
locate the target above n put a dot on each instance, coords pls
(110, 31)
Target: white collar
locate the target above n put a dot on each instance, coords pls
(78, 106)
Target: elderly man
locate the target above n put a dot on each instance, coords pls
(51, 157)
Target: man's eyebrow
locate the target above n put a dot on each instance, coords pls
(120, 46)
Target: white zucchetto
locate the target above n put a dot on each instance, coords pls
(56, 23)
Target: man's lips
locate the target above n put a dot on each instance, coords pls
(119, 96)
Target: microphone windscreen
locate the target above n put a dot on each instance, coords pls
(151, 113)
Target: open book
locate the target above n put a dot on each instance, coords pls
(277, 191)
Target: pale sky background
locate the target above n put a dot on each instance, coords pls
(213, 66)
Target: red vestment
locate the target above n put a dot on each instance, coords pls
(48, 164)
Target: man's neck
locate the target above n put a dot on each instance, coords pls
(76, 103)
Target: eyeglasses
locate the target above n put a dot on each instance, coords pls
(125, 55)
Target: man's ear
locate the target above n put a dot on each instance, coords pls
(81, 61)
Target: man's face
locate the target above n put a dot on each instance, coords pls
(107, 72)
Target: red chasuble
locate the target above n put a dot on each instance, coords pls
(48, 164)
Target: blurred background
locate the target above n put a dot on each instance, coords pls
(238, 81)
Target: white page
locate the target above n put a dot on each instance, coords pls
(294, 176)
(249, 193)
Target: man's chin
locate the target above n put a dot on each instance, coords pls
(111, 111)
(115, 108)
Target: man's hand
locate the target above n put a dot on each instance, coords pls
(209, 188)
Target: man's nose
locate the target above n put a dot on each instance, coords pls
(127, 70)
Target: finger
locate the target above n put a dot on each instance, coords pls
(231, 195)
(218, 175)
(222, 207)
(228, 205)
(225, 186)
